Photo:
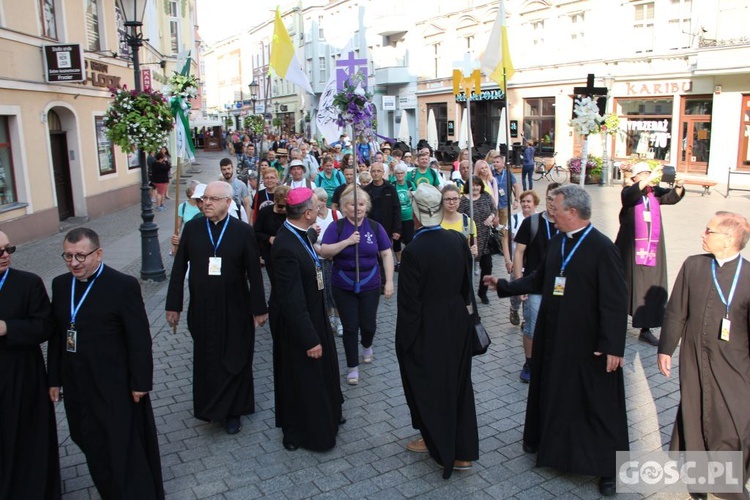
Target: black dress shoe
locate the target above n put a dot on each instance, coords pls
(530, 448)
(290, 446)
(648, 337)
(342, 420)
(484, 299)
(607, 486)
(233, 425)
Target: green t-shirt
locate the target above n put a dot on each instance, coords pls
(430, 177)
(404, 200)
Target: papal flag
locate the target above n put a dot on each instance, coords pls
(496, 59)
(284, 60)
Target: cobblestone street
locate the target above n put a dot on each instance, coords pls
(369, 461)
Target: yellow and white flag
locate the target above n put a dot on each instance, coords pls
(496, 59)
(284, 60)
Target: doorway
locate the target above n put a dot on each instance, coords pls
(694, 146)
(61, 169)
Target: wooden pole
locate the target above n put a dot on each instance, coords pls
(177, 203)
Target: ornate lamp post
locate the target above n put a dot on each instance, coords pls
(606, 179)
(253, 88)
(151, 263)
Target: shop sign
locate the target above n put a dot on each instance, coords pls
(389, 103)
(660, 88)
(485, 95)
(98, 75)
(64, 63)
(648, 125)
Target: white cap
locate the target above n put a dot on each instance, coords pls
(200, 189)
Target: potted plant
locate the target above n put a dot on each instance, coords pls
(138, 120)
(593, 171)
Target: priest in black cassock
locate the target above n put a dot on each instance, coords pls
(28, 429)
(101, 355)
(223, 255)
(642, 249)
(434, 337)
(305, 362)
(575, 412)
(712, 291)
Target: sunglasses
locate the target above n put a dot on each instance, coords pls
(9, 249)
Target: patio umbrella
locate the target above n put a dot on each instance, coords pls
(502, 134)
(403, 128)
(464, 135)
(432, 132)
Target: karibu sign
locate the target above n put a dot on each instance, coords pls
(64, 63)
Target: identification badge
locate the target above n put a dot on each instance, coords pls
(646, 216)
(71, 340)
(559, 288)
(214, 266)
(725, 325)
(319, 276)
(501, 192)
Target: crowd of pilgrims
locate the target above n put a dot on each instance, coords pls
(331, 226)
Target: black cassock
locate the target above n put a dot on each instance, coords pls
(28, 429)
(220, 314)
(434, 344)
(113, 357)
(647, 286)
(307, 391)
(575, 412)
(714, 411)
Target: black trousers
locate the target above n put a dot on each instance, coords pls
(357, 311)
(485, 269)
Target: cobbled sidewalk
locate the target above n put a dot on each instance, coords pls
(369, 461)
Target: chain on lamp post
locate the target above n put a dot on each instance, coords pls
(152, 267)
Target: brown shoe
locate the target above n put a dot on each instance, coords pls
(417, 446)
(461, 465)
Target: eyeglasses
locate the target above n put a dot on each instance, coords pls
(214, 199)
(80, 257)
(10, 249)
(450, 200)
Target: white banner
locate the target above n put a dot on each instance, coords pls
(327, 113)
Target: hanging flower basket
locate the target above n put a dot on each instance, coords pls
(138, 120)
(355, 108)
(184, 87)
(254, 123)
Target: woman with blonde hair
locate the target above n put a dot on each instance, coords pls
(483, 171)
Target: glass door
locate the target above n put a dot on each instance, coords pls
(695, 146)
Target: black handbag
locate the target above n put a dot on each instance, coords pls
(481, 339)
(494, 243)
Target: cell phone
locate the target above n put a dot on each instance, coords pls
(667, 174)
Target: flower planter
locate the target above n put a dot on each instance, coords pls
(590, 179)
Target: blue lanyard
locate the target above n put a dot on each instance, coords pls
(309, 250)
(211, 236)
(426, 230)
(734, 284)
(549, 235)
(74, 308)
(2, 281)
(562, 249)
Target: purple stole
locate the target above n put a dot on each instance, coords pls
(647, 234)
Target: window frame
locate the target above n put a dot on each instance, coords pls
(5, 122)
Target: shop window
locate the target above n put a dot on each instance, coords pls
(645, 128)
(698, 106)
(104, 148)
(7, 181)
(539, 123)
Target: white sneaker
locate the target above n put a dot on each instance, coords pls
(367, 355)
(339, 329)
(352, 378)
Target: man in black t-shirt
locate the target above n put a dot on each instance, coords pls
(348, 171)
(531, 241)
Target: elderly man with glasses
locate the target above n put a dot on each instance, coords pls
(100, 354)
(223, 311)
(28, 432)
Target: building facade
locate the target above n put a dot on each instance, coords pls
(55, 159)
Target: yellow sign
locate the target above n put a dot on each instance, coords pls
(468, 85)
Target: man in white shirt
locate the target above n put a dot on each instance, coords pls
(297, 178)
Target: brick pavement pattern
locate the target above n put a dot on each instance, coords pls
(369, 461)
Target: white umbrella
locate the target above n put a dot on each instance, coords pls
(502, 134)
(403, 128)
(464, 135)
(432, 132)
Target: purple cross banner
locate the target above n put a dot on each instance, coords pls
(347, 68)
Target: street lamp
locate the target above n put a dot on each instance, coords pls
(152, 267)
(276, 106)
(606, 179)
(253, 88)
